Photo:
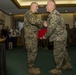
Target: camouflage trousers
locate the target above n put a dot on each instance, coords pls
(60, 53)
(31, 46)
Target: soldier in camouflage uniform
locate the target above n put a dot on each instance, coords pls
(56, 31)
(31, 25)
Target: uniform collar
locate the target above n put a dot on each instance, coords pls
(54, 11)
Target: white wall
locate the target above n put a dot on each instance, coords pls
(8, 21)
(69, 19)
(2, 15)
(6, 18)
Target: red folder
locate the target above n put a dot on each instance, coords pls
(41, 33)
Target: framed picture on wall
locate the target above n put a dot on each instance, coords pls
(0, 21)
(1, 26)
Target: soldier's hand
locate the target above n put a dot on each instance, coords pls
(45, 23)
(44, 37)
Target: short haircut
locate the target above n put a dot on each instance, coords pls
(52, 1)
(33, 3)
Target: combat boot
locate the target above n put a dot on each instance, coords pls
(33, 66)
(67, 66)
(35, 71)
(55, 71)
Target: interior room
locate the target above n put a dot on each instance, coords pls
(13, 55)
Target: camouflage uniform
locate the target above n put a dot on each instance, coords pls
(56, 31)
(31, 25)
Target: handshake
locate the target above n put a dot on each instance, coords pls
(45, 24)
(44, 37)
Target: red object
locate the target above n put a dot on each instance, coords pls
(41, 33)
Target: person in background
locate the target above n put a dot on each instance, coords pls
(23, 38)
(5, 34)
(10, 41)
(31, 25)
(14, 35)
(73, 35)
(68, 35)
(56, 31)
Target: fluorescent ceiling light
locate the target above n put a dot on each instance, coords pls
(44, 2)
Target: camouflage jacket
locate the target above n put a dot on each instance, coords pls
(56, 30)
(31, 23)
